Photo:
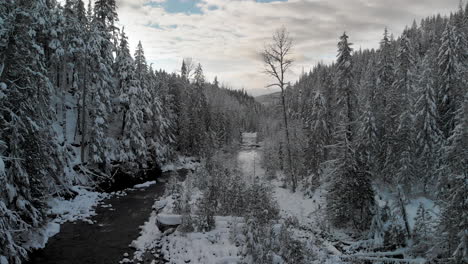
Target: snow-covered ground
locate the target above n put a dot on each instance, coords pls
(198, 247)
(217, 247)
(309, 212)
(208, 247)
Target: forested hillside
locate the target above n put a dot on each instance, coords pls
(77, 106)
(380, 130)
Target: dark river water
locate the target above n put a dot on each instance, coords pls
(109, 237)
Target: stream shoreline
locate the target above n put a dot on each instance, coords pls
(116, 224)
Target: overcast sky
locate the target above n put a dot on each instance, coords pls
(226, 36)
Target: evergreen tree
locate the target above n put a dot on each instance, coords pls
(452, 64)
(368, 141)
(134, 144)
(350, 196)
(30, 164)
(453, 188)
(100, 85)
(105, 12)
(429, 136)
(319, 132)
(377, 229)
(423, 230)
(199, 126)
(385, 124)
(401, 154)
(161, 108)
(207, 206)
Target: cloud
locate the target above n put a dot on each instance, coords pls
(226, 36)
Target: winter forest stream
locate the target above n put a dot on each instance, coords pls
(110, 153)
(118, 219)
(116, 225)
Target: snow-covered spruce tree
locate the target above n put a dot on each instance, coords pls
(452, 65)
(162, 123)
(74, 29)
(236, 193)
(428, 134)
(368, 141)
(183, 135)
(125, 74)
(423, 232)
(198, 115)
(261, 205)
(290, 249)
(453, 186)
(76, 33)
(187, 221)
(319, 133)
(129, 92)
(385, 77)
(256, 243)
(377, 228)
(106, 12)
(207, 206)
(30, 167)
(350, 195)
(402, 157)
(100, 61)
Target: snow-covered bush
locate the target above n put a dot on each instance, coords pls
(207, 206)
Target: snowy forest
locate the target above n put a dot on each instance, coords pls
(363, 160)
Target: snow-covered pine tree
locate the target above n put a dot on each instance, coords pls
(198, 115)
(125, 75)
(319, 133)
(428, 134)
(74, 45)
(105, 12)
(79, 63)
(100, 61)
(150, 103)
(423, 233)
(377, 228)
(133, 141)
(187, 221)
(453, 186)
(402, 156)
(346, 102)
(30, 164)
(163, 108)
(183, 70)
(350, 195)
(452, 66)
(141, 66)
(207, 206)
(385, 122)
(368, 141)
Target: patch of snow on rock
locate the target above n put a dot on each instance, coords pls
(144, 185)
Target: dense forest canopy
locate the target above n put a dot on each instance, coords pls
(77, 105)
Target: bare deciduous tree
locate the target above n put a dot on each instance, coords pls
(188, 67)
(277, 62)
